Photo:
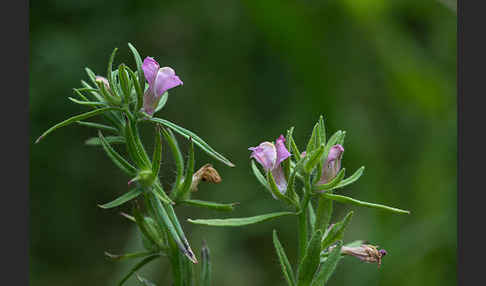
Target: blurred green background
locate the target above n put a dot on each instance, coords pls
(384, 71)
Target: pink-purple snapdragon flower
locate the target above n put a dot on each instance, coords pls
(332, 165)
(160, 80)
(270, 156)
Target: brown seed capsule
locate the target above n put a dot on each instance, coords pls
(206, 173)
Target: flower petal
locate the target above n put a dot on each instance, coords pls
(265, 154)
(150, 69)
(150, 102)
(279, 177)
(282, 152)
(166, 79)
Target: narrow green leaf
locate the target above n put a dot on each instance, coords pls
(334, 139)
(138, 62)
(147, 231)
(160, 213)
(124, 83)
(312, 217)
(351, 179)
(178, 159)
(312, 143)
(97, 126)
(118, 257)
(210, 205)
(109, 71)
(239, 221)
(323, 213)
(157, 155)
(328, 266)
(322, 129)
(313, 158)
(334, 182)
(90, 74)
(341, 138)
(348, 200)
(96, 141)
(310, 261)
(138, 266)
(284, 261)
(183, 191)
(336, 231)
(122, 199)
(161, 194)
(138, 89)
(206, 266)
(117, 159)
(178, 228)
(74, 119)
(138, 155)
(197, 140)
(91, 103)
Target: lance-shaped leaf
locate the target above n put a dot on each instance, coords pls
(313, 142)
(178, 159)
(341, 138)
(206, 266)
(162, 216)
(91, 103)
(119, 161)
(284, 261)
(328, 266)
(161, 194)
(97, 126)
(312, 217)
(210, 205)
(351, 179)
(138, 266)
(134, 146)
(138, 62)
(323, 213)
(180, 232)
(119, 257)
(310, 261)
(313, 158)
(197, 140)
(138, 90)
(348, 200)
(157, 156)
(109, 70)
(183, 191)
(333, 183)
(122, 199)
(125, 83)
(91, 75)
(322, 130)
(336, 231)
(96, 141)
(239, 221)
(148, 231)
(74, 119)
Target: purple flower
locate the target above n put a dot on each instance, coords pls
(160, 80)
(270, 156)
(332, 165)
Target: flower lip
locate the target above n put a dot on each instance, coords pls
(265, 154)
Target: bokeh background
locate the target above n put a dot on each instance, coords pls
(384, 71)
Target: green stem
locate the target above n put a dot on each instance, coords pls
(303, 217)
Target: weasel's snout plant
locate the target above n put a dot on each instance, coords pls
(306, 182)
(126, 98)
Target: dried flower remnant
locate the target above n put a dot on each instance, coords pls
(207, 174)
(365, 252)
